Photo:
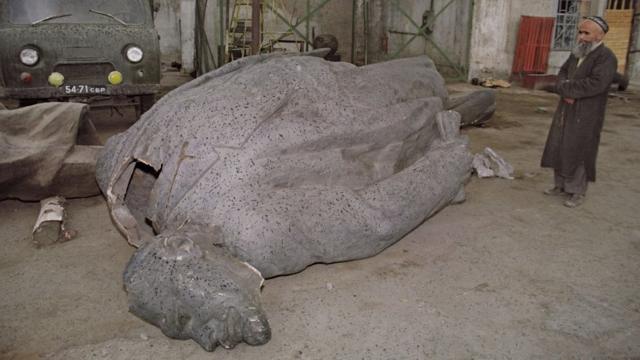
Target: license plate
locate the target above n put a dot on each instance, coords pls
(85, 89)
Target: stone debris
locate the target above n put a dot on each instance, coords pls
(504, 170)
(49, 227)
(490, 164)
(482, 166)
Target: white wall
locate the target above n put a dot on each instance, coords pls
(489, 38)
(544, 8)
(175, 22)
(167, 23)
(188, 34)
(495, 33)
(450, 31)
(556, 59)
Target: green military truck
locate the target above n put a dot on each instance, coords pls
(101, 52)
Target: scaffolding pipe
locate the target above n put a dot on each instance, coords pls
(221, 34)
(307, 12)
(421, 29)
(365, 15)
(255, 27)
(469, 32)
(428, 38)
(294, 26)
(353, 30)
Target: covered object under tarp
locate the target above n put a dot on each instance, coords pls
(47, 149)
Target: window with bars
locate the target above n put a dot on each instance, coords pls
(619, 4)
(566, 29)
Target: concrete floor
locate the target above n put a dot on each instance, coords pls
(509, 274)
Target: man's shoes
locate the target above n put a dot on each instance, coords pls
(575, 201)
(556, 191)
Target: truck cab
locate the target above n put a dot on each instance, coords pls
(101, 52)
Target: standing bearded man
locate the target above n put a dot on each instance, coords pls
(583, 85)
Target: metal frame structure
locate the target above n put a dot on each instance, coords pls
(258, 7)
(566, 29)
(301, 31)
(424, 31)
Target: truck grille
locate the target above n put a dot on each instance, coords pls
(85, 74)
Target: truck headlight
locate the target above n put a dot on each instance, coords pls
(29, 56)
(134, 54)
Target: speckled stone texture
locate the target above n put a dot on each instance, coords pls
(191, 289)
(277, 162)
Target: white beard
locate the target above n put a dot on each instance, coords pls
(582, 49)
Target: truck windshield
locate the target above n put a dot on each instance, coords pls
(123, 12)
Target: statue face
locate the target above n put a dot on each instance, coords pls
(192, 289)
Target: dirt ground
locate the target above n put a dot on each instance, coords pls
(509, 274)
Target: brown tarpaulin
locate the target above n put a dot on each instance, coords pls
(38, 152)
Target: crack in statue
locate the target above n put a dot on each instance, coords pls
(266, 166)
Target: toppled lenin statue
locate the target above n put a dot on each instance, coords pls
(266, 166)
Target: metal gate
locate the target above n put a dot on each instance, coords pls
(438, 28)
(244, 31)
(380, 30)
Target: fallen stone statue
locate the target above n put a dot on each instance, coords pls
(266, 166)
(476, 107)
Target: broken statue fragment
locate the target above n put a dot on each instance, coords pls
(266, 166)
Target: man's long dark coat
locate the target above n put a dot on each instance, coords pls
(575, 131)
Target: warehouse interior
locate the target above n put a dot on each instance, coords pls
(507, 273)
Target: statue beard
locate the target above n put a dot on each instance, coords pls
(582, 49)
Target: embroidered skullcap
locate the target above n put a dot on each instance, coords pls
(600, 21)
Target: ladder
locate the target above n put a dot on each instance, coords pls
(238, 42)
(238, 37)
